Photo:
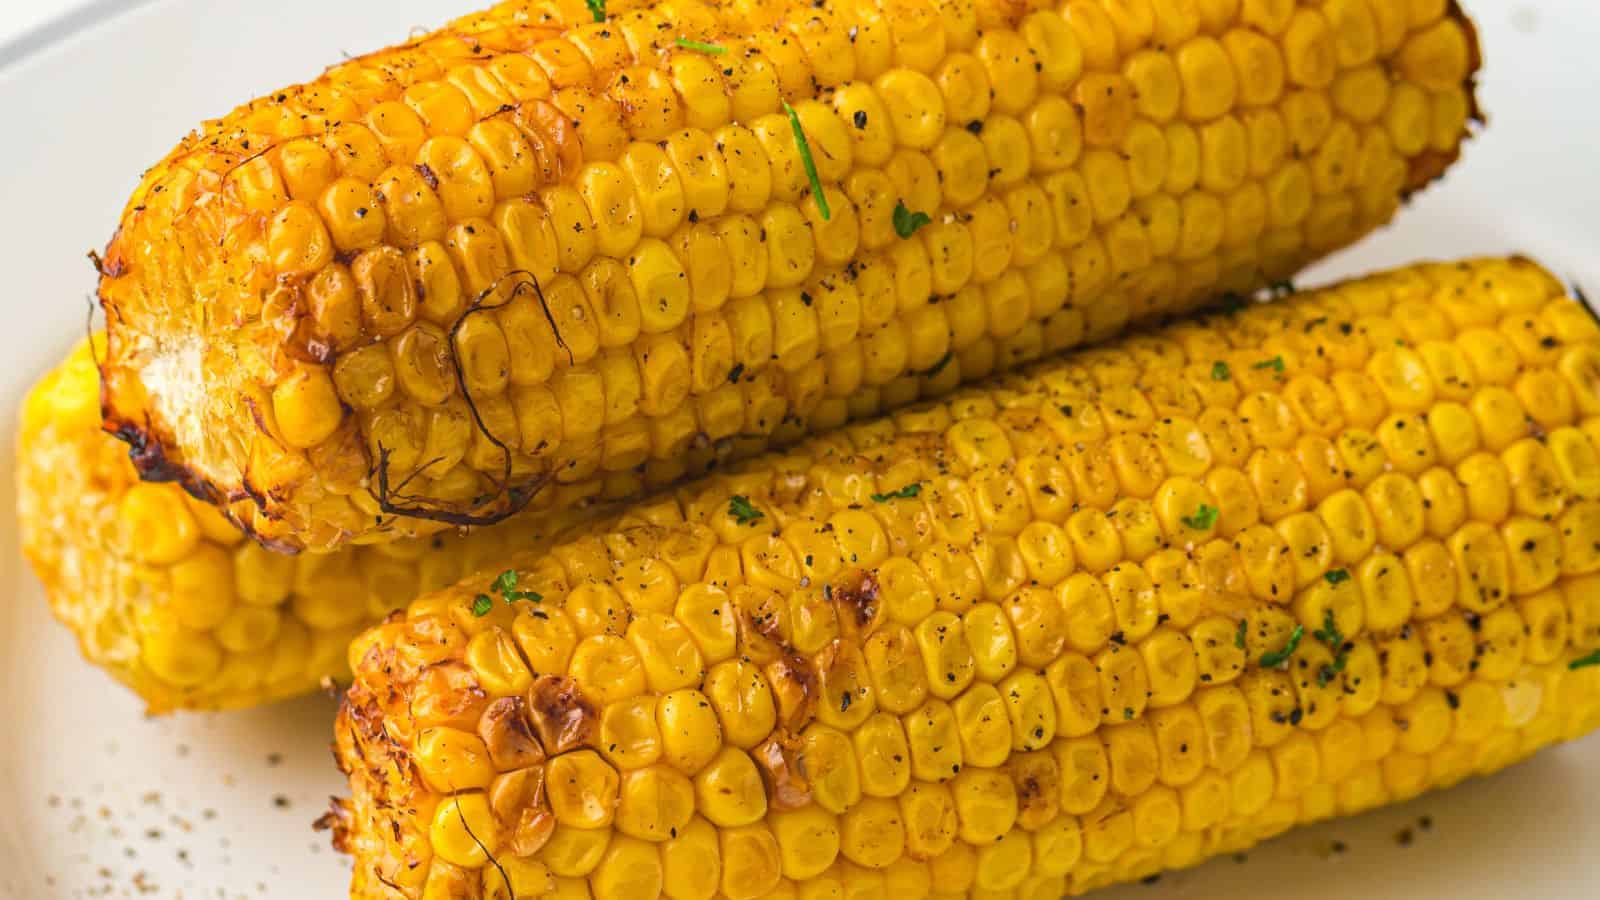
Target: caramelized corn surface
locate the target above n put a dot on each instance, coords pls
(1155, 602)
(539, 255)
(170, 598)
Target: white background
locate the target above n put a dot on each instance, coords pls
(19, 18)
(97, 801)
(29, 24)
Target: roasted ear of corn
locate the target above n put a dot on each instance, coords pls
(166, 595)
(537, 257)
(1158, 601)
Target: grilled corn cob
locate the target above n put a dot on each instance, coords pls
(1152, 603)
(537, 257)
(171, 599)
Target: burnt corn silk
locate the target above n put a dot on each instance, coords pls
(1105, 617)
(561, 251)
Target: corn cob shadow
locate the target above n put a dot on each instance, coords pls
(1155, 602)
(295, 290)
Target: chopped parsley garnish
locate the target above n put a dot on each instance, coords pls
(808, 162)
(702, 46)
(906, 493)
(1329, 634)
(1275, 364)
(1337, 576)
(1584, 662)
(739, 507)
(1278, 657)
(597, 8)
(1232, 303)
(1220, 371)
(1238, 637)
(938, 367)
(481, 605)
(506, 584)
(907, 222)
(1203, 518)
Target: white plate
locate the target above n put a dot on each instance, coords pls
(97, 801)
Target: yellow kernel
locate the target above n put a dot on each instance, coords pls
(464, 831)
(808, 840)
(582, 789)
(154, 520)
(729, 790)
(452, 761)
(1207, 75)
(654, 803)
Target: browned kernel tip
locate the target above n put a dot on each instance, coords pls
(450, 696)
(507, 730)
(518, 801)
(779, 762)
(561, 716)
(794, 687)
(857, 600)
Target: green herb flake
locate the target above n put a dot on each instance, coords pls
(481, 605)
(702, 46)
(1337, 576)
(908, 492)
(1275, 364)
(1278, 657)
(907, 222)
(808, 162)
(938, 367)
(1221, 372)
(739, 507)
(1203, 518)
(1583, 662)
(1329, 634)
(597, 8)
(1238, 637)
(506, 584)
(1232, 303)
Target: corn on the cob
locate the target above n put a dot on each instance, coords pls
(338, 281)
(170, 598)
(1126, 611)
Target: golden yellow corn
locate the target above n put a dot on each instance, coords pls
(538, 254)
(166, 595)
(1155, 602)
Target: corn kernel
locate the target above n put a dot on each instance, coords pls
(464, 831)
